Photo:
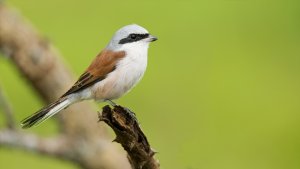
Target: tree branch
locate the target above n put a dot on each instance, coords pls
(30, 142)
(130, 136)
(7, 110)
(39, 63)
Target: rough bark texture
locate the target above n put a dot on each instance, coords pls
(130, 136)
(87, 142)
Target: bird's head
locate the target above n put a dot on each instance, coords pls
(130, 36)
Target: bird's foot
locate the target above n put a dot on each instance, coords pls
(130, 113)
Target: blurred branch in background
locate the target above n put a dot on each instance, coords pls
(11, 136)
(81, 139)
(56, 147)
(7, 110)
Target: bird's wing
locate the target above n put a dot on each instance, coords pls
(102, 65)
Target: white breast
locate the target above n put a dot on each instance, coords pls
(127, 74)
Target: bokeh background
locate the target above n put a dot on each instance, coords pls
(222, 88)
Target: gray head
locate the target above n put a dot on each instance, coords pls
(130, 35)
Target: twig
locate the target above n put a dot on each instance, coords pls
(130, 136)
(7, 110)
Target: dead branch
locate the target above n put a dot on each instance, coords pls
(130, 136)
(39, 63)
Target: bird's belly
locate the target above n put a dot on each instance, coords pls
(117, 83)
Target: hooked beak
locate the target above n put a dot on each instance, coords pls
(152, 38)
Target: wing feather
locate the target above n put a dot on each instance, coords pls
(102, 65)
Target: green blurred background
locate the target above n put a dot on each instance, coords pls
(222, 88)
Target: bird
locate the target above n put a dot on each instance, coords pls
(113, 73)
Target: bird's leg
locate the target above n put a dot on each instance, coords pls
(111, 102)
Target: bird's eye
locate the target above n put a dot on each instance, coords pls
(133, 36)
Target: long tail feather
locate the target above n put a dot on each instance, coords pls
(45, 113)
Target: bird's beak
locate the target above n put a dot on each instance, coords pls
(152, 38)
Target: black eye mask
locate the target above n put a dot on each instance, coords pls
(133, 38)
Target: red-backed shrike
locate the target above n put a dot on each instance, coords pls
(116, 70)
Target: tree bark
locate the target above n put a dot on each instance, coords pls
(130, 136)
(88, 143)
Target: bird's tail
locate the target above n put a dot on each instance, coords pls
(46, 112)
